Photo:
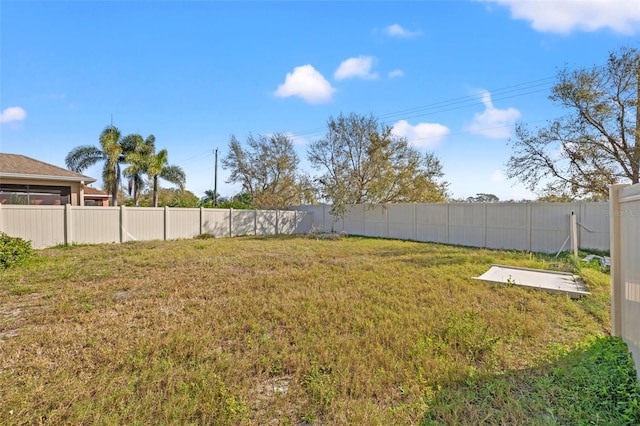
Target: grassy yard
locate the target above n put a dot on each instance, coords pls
(298, 330)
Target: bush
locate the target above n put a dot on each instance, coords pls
(13, 250)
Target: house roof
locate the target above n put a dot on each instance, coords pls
(23, 167)
(95, 193)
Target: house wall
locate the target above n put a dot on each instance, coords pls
(74, 186)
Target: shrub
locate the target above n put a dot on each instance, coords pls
(13, 250)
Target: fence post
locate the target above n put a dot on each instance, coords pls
(324, 220)
(277, 222)
(255, 222)
(68, 236)
(415, 222)
(529, 226)
(386, 215)
(230, 222)
(201, 221)
(447, 221)
(122, 224)
(582, 216)
(484, 231)
(295, 222)
(574, 235)
(166, 222)
(614, 252)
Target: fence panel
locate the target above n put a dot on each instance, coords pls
(594, 225)
(467, 224)
(507, 226)
(267, 222)
(320, 222)
(376, 220)
(289, 222)
(550, 228)
(182, 223)
(216, 222)
(42, 225)
(91, 225)
(142, 224)
(243, 222)
(432, 222)
(401, 221)
(354, 222)
(304, 222)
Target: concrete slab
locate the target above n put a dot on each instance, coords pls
(551, 281)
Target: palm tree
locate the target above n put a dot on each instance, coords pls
(158, 167)
(110, 151)
(210, 198)
(137, 154)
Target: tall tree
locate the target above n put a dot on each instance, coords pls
(363, 162)
(110, 152)
(267, 168)
(482, 197)
(137, 152)
(596, 144)
(170, 197)
(157, 167)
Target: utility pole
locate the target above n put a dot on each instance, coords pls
(215, 182)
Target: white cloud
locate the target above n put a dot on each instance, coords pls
(306, 83)
(12, 114)
(396, 73)
(493, 122)
(396, 30)
(356, 67)
(422, 135)
(622, 16)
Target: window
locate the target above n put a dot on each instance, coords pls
(34, 194)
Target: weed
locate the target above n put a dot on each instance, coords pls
(204, 236)
(21, 290)
(593, 384)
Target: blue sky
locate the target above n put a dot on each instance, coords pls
(451, 76)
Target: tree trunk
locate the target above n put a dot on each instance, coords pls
(155, 191)
(114, 196)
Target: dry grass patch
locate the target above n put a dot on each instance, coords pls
(278, 330)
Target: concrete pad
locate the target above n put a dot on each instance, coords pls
(551, 281)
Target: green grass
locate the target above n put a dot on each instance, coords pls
(295, 330)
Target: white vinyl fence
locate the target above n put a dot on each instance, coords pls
(624, 211)
(538, 227)
(47, 226)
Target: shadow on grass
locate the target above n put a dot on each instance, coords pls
(596, 384)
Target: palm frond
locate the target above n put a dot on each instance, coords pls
(175, 175)
(82, 157)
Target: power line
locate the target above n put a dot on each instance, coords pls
(507, 92)
(196, 157)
